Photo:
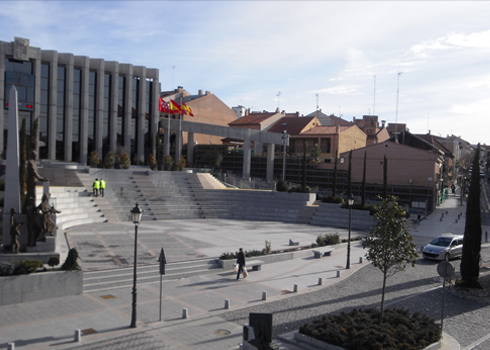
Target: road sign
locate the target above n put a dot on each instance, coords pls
(163, 262)
(445, 269)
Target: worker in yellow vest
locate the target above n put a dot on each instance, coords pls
(102, 187)
(96, 187)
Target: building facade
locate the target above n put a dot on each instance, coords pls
(83, 104)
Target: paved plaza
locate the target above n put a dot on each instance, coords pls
(104, 316)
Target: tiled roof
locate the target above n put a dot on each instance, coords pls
(435, 142)
(325, 130)
(252, 118)
(293, 125)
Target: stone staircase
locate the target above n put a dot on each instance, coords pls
(123, 277)
(332, 215)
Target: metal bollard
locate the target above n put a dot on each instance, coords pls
(320, 281)
(338, 273)
(360, 260)
(486, 236)
(456, 221)
(295, 288)
(227, 303)
(185, 313)
(11, 346)
(440, 219)
(264, 295)
(78, 336)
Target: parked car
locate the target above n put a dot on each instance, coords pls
(444, 247)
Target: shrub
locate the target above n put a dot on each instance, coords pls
(109, 160)
(360, 329)
(53, 261)
(6, 268)
(181, 164)
(168, 162)
(281, 186)
(152, 162)
(125, 163)
(300, 189)
(94, 161)
(332, 199)
(27, 266)
(71, 262)
(328, 239)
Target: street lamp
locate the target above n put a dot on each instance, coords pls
(136, 214)
(350, 202)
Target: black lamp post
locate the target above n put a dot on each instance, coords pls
(284, 142)
(350, 202)
(136, 214)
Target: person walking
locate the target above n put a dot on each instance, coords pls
(96, 187)
(102, 187)
(241, 262)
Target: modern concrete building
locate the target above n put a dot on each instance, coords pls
(83, 104)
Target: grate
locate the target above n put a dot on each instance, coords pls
(222, 332)
(108, 296)
(88, 331)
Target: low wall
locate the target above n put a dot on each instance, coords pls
(273, 258)
(40, 286)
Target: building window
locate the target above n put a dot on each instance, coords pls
(60, 113)
(92, 90)
(325, 145)
(106, 115)
(77, 86)
(44, 112)
(120, 110)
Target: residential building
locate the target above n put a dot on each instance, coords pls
(327, 120)
(370, 125)
(83, 104)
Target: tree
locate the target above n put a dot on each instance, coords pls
(316, 154)
(108, 160)
(363, 186)
(94, 161)
(385, 177)
(470, 261)
(334, 182)
(389, 247)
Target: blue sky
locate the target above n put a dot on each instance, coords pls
(349, 53)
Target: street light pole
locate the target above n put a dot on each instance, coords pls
(350, 202)
(136, 214)
(284, 141)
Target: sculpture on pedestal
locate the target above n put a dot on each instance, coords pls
(48, 225)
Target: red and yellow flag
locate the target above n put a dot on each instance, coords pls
(186, 109)
(163, 106)
(174, 107)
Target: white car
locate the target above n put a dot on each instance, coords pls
(444, 247)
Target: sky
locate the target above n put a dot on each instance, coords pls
(422, 63)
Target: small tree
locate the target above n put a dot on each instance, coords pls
(389, 247)
(470, 260)
(152, 162)
(53, 261)
(94, 161)
(181, 165)
(168, 162)
(71, 262)
(125, 163)
(316, 154)
(363, 186)
(108, 160)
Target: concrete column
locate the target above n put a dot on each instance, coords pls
(155, 113)
(190, 147)
(141, 114)
(258, 148)
(99, 66)
(270, 162)
(2, 91)
(83, 63)
(52, 58)
(178, 142)
(128, 107)
(68, 61)
(166, 136)
(37, 94)
(246, 158)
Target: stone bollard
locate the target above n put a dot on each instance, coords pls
(446, 212)
(11, 346)
(185, 313)
(295, 288)
(456, 221)
(338, 273)
(360, 260)
(486, 236)
(78, 336)
(227, 303)
(440, 219)
(320, 281)
(264, 295)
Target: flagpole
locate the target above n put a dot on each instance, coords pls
(180, 131)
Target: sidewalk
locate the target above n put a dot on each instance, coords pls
(105, 316)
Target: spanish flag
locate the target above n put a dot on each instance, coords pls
(186, 110)
(174, 107)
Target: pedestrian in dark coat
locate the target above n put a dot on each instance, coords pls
(241, 262)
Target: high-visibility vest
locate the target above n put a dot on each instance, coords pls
(97, 184)
(102, 184)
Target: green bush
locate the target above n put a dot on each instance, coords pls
(71, 262)
(125, 163)
(152, 162)
(53, 261)
(168, 162)
(332, 199)
(27, 266)
(281, 186)
(109, 160)
(94, 161)
(328, 239)
(360, 329)
(6, 268)
(300, 189)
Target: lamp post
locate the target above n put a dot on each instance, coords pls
(284, 141)
(350, 201)
(136, 214)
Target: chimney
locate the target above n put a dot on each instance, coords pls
(208, 93)
(200, 92)
(337, 128)
(277, 110)
(180, 88)
(383, 122)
